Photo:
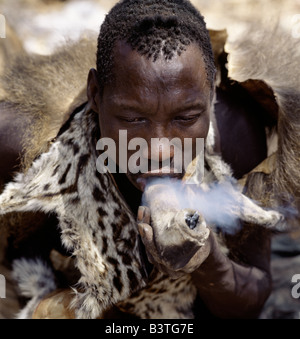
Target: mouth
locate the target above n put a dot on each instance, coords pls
(145, 179)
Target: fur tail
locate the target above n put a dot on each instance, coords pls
(35, 280)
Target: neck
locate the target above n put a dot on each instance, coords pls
(130, 193)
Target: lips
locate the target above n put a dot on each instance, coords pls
(143, 179)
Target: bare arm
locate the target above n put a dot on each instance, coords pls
(234, 286)
(236, 290)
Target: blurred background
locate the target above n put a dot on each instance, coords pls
(44, 24)
(40, 26)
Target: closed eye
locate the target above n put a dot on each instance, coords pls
(132, 120)
(189, 118)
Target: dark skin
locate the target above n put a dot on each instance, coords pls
(172, 99)
(227, 297)
(141, 99)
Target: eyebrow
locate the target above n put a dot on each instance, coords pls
(200, 106)
(129, 107)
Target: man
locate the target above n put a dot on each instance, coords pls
(165, 89)
(155, 78)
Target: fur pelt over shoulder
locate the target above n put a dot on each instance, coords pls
(99, 229)
(272, 57)
(97, 226)
(45, 90)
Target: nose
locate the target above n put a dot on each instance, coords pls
(159, 150)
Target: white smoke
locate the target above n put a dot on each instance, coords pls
(221, 204)
(217, 203)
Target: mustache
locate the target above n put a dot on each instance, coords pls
(166, 166)
(145, 179)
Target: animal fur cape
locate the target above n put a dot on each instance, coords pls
(99, 229)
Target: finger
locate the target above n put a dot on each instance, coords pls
(146, 233)
(150, 257)
(143, 215)
(140, 214)
(147, 215)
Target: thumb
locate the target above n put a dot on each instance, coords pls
(143, 215)
(146, 232)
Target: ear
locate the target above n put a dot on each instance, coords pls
(93, 91)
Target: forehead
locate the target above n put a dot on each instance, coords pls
(133, 72)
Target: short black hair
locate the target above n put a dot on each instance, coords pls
(151, 27)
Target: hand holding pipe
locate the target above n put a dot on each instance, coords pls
(178, 234)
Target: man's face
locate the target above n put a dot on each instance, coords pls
(154, 100)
